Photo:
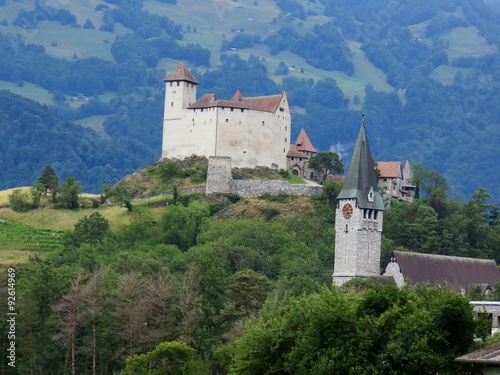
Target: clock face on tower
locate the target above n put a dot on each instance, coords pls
(347, 211)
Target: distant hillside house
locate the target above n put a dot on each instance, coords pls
(251, 131)
(299, 155)
(457, 273)
(395, 179)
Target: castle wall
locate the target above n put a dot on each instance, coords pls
(219, 176)
(192, 132)
(253, 188)
(253, 138)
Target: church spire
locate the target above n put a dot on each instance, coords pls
(361, 181)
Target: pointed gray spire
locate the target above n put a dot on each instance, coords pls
(361, 180)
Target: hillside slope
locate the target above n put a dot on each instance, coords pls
(426, 76)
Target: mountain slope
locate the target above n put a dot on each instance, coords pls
(426, 75)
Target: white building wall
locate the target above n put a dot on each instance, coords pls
(393, 270)
(251, 138)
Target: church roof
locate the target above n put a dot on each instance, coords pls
(258, 103)
(304, 143)
(457, 272)
(389, 169)
(181, 73)
(361, 177)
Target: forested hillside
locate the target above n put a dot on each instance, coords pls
(222, 285)
(426, 76)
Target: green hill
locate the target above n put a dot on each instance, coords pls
(426, 76)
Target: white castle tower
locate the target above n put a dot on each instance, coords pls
(358, 218)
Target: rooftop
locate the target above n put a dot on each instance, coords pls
(456, 272)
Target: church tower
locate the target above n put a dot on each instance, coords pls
(358, 218)
(180, 93)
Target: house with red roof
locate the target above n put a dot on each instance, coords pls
(394, 180)
(252, 131)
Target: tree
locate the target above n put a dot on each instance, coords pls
(36, 191)
(69, 317)
(377, 330)
(91, 229)
(326, 163)
(168, 358)
(70, 192)
(50, 181)
(19, 200)
(189, 301)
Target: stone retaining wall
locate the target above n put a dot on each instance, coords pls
(252, 188)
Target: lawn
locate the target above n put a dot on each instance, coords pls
(64, 219)
(28, 90)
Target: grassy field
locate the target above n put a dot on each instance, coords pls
(64, 219)
(19, 242)
(215, 20)
(28, 90)
(446, 74)
(95, 123)
(466, 41)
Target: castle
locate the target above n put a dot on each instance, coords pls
(252, 131)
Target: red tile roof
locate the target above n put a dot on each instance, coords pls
(294, 152)
(389, 169)
(457, 272)
(259, 103)
(181, 73)
(304, 143)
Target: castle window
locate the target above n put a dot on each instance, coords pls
(283, 150)
(242, 109)
(285, 128)
(232, 109)
(375, 215)
(202, 109)
(227, 120)
(178, 84)
(171, 104)
(282, 109)
(285, 140)
(193, 120)
(239, 123)
(263, 123)
(171, 84)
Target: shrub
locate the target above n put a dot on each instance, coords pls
(169, 170)
(19, 201)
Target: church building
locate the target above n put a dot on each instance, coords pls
(358, 218)
(252, 131)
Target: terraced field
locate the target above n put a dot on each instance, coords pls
(19, 242)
